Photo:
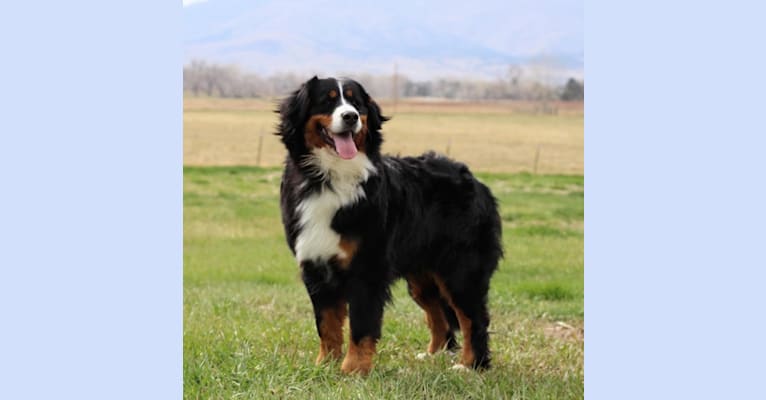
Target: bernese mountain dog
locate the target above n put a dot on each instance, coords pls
(357, 220)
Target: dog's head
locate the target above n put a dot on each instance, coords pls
(331, 115)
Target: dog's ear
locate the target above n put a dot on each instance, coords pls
(294, 110)
(375, 118)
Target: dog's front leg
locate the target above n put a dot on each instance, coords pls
(366, 303)
(329, 310)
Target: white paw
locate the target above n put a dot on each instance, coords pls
(422, 356)
(460, 367)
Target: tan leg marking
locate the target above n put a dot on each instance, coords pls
(359, 356)
(331, 333)
(468, 357)
(435, 318)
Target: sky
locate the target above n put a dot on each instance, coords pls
(424, 39)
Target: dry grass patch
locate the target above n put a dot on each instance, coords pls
(499, 137)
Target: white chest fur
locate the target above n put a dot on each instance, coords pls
(317, 241)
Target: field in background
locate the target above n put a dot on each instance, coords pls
(498, 136)
(249, 329)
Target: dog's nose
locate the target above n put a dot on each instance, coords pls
(350, 117)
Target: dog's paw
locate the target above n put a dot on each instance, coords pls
(460, 367)
(350, 367)
(422, 356)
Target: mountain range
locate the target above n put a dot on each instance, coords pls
(425, 39)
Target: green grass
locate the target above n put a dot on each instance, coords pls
(249, 330)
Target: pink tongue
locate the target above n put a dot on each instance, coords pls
(345, 146)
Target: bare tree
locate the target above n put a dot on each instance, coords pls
(533, 82)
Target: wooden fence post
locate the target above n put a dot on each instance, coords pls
(260, 147)
(537, 159)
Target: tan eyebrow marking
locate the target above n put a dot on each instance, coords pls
(333, 94)
(349, 93)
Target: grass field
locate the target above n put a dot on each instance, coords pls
(248, 325)
(499, 137)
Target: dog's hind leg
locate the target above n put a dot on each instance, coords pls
(454, 325)
(424, 291)
(470, 306)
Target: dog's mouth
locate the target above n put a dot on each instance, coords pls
(343, 143)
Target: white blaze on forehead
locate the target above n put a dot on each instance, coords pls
(337, 120)
(340, 90)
